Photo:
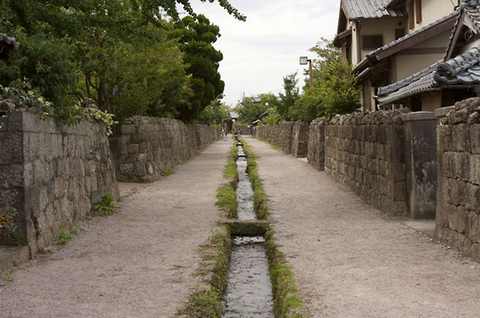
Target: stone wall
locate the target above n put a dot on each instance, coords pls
(279, 135)
(316, 144)
(51, 177)
(458, 207)
(149, 147)
(366, 152)
(300, 133)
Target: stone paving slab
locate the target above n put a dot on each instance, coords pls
(350, 260)
(137, 263)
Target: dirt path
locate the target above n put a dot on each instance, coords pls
(138, 263)
(351, 262)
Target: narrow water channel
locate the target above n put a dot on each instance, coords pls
(245, 208)
(249, 291)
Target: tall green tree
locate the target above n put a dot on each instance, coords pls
(290, 95)
(332, 88)
(196, 36)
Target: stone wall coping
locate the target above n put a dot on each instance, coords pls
(442, 112)
(419, 116)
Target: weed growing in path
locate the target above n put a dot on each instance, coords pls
(106, 206)
(65, 235)
(167, 172)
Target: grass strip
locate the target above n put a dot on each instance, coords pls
(227, 193)
(207, 300)
(287, 300)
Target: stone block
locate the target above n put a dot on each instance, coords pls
(459, 138)
(128, 129)
(474, 133)
(133, 148)
(474, 169)
(462, 166)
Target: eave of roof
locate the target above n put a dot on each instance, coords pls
(367, 9)
(409, 40)
(341, 37)
(393, 3)
(461, 71)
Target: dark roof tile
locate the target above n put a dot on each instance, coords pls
(462, 70)
(356, 9)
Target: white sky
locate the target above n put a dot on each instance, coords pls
(260, 52)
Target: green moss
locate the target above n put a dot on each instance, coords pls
(287, 301)
(230, 171)
(227, 200)
(227, 193)
(207, 301)
(260, 197)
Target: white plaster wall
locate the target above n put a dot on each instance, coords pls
(409, 64)
(384, 26)
(433, 10)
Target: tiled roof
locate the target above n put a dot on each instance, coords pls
(469, 10)
(449, 20)
(473, 13)
(463, 70)
(356, 9)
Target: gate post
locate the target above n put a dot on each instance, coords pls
(421, 163)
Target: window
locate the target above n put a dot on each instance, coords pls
(399, 33)
(372, 42)
(418, 11)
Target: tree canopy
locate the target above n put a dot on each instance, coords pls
(130, 56)
(250, 108)
(196, 36)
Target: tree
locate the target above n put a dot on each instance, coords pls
(250, 108)
(196, 36)
(154, 8)
(118, 52)
(332, 90)
(290, 95)
(215, 113)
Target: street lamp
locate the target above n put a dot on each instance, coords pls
(304, 60)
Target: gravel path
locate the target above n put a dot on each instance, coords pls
(352, 262)
(138, 263)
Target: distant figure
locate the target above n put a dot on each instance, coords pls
(224, 134)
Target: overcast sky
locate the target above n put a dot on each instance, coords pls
(259, 52)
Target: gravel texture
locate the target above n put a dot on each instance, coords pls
(351, 261)
(137, 263)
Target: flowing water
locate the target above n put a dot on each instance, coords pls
(249, 291)
(245, 209)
